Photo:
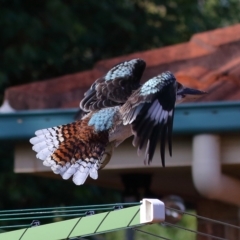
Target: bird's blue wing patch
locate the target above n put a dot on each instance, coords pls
(155, 84)
(121, 70)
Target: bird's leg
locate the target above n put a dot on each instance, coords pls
(108, 154)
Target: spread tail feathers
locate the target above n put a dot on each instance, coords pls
(70, 150)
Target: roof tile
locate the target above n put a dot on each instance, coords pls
(54, 93)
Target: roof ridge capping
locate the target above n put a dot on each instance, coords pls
(217, 37)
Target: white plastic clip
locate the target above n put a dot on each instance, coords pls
(152, 211)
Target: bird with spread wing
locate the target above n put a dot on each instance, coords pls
(115, 107)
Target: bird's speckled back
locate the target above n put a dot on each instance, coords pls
(103, 120)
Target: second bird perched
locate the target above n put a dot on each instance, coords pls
(117, 106)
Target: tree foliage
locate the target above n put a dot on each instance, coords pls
(44, 39)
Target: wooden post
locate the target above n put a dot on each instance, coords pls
(221, 212)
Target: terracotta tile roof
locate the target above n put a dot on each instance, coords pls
(209, 61)
(61, 92)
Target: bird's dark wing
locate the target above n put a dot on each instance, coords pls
(150, 111)
(115, 87)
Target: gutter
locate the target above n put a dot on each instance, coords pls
(190, 118)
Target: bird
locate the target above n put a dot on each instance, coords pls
(115, 107)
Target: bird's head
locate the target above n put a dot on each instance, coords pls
(183, 91)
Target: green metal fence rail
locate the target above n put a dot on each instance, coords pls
(91, 220)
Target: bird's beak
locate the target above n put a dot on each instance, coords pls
(189, 91)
